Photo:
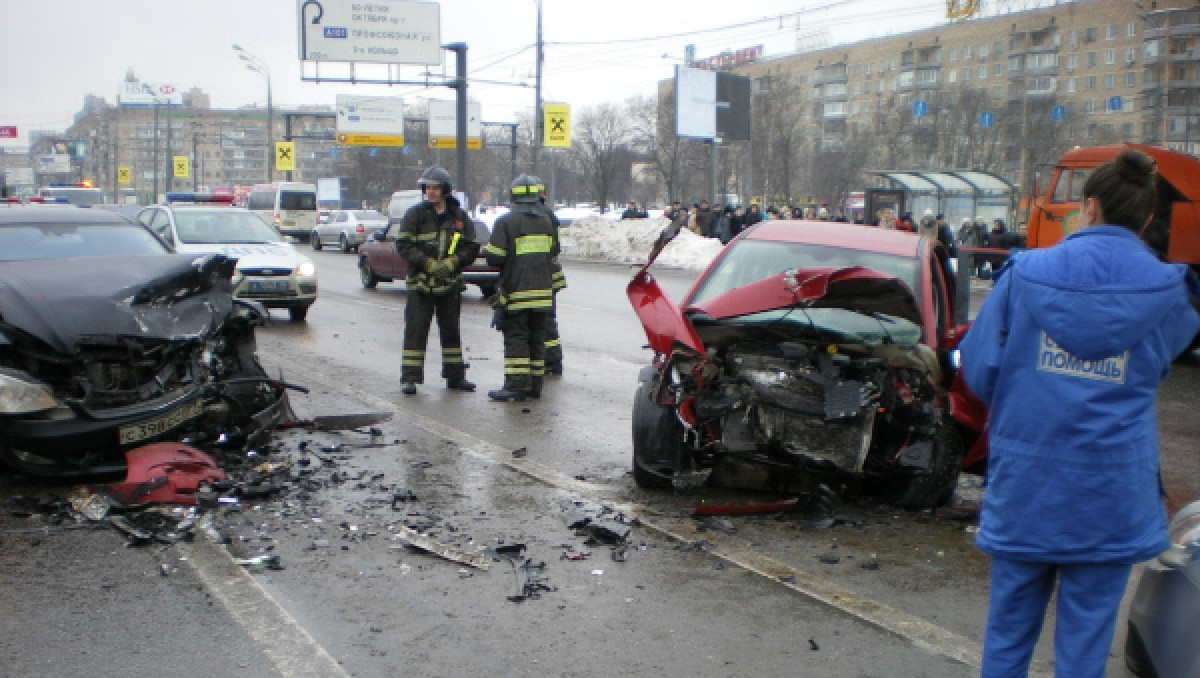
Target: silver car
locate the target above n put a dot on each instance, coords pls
(1165, 612)
(348, 228)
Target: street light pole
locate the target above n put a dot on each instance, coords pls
(538, 120)
(257, 65)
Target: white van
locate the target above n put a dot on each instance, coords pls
(402, 200)
(291, 207)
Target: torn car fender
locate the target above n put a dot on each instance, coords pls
(665, 326)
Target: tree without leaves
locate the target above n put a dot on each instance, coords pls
(600, 150)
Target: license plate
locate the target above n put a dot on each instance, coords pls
(267, 286)
(154, 427)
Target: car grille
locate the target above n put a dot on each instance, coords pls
(111, 375)
(265, 272)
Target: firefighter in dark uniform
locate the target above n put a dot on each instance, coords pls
(437, 239)
(524, 246)
(554, 354)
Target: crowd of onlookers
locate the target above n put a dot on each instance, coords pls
(724, 223)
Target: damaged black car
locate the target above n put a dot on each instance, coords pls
(109, 341)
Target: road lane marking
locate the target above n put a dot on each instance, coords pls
(290, 648)
(912, 628)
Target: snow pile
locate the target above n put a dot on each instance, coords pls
(630, 241)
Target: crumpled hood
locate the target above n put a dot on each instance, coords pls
(1096, 296)
(170, 296)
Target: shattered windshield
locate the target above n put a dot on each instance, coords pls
(749, 261)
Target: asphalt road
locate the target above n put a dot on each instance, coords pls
(878, 593)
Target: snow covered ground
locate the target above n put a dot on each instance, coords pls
(588, 235)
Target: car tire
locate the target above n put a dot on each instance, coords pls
(343, 244)
(935, 487)
(657, 441)
(315, 240)
(298, 313)
(366, 275)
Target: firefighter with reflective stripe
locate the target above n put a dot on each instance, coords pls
(554, 355)
(524, 245)
(437, 240)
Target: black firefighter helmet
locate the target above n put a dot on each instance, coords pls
(435, 176)
(526, 189)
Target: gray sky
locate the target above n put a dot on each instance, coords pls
(54, 52)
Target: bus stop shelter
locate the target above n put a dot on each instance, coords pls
(957, 194)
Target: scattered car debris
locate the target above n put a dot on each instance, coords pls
(531, 579)
(166, 473)
(339, 422)
(416, 540)
(401, 497)
(749, 508)
(261, 562)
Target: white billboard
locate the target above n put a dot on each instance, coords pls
(58, 163)
(695, 103)
(148, 94)
(370, 121)
(381, 31)
(443, 119)
(19, 176)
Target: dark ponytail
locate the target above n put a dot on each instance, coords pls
(1124, 188)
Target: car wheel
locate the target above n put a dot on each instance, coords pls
(366, 275)
(298, 313)
(315, 240)
(934, 487)
(1137, 659)
(657, 441)
(344, 244)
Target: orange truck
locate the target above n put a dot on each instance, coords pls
(1175, 232)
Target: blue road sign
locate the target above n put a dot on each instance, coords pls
(985, 119)
(1114, 103)
(1058, 113)
(920, 108)
(405, 150)
(373, 152)
(333, 152)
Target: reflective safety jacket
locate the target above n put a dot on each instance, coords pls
(425, 235)
(1067, 352)
(524, 246)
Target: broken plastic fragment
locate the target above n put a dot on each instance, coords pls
(420, 541)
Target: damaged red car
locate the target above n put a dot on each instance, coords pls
(807, 353)
(109, 341)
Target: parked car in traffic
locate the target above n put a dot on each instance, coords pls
(109, 341)
(348, 228)
(1165, 612)
(807, 352)
(379, 261)
(270, 270)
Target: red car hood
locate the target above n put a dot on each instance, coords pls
(855, 288)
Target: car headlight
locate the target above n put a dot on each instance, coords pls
(237, 279)
(1184, 535)
(21, 395)
(306, 269)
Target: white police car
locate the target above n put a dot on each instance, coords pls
(269, 269)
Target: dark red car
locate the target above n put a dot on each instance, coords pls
(378, 261)
(808, 352)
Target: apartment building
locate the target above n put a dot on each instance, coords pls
(1005, 93)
